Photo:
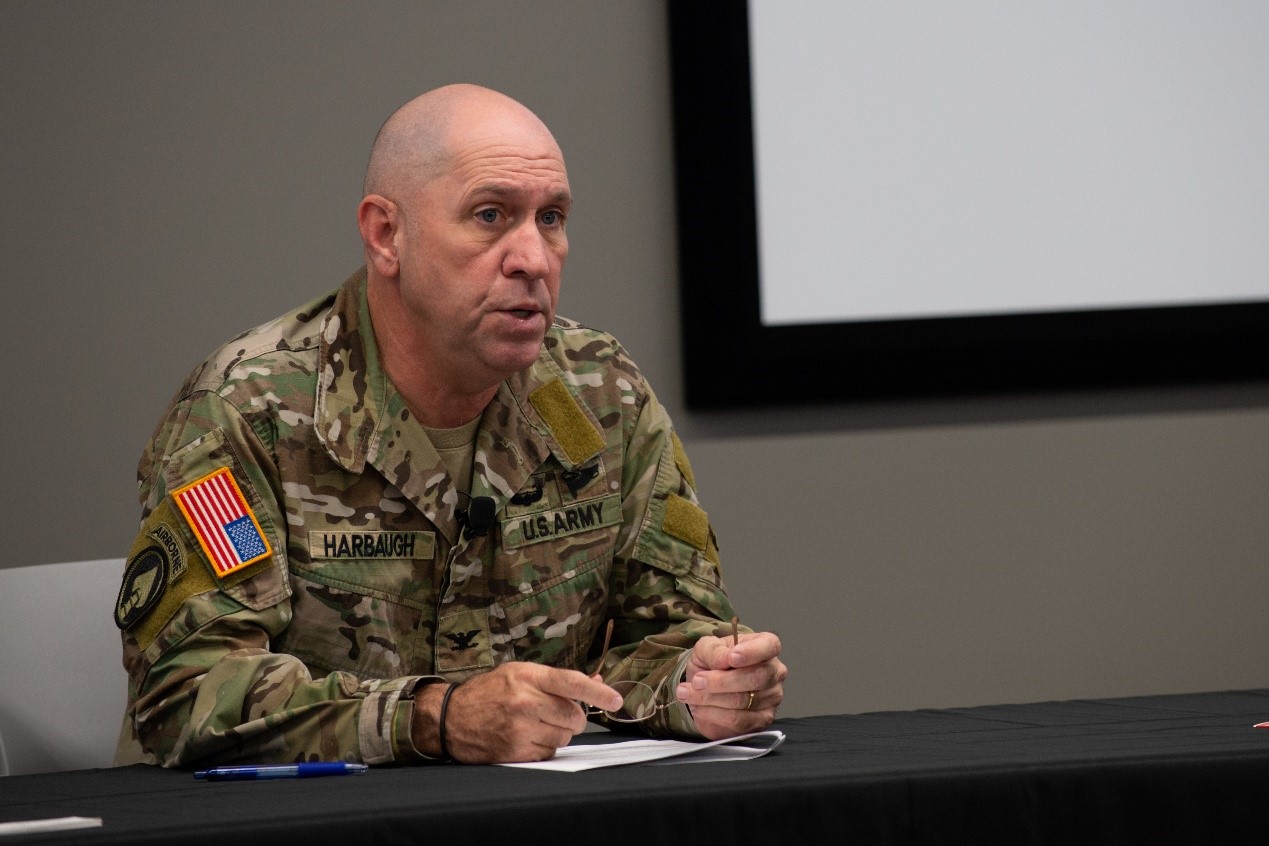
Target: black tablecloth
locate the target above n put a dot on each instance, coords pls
(1163, 769)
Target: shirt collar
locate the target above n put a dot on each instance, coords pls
(361, 418)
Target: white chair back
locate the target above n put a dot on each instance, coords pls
(62, 684)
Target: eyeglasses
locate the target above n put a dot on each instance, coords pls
(640, 699)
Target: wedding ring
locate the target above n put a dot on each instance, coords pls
(753, 694)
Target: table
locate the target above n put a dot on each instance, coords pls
(1153, 769)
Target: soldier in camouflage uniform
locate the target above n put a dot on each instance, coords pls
(311, 575)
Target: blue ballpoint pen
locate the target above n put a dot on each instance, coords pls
(307, 770)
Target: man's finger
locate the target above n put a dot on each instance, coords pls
(712, 653)
(737, 681)
(753, 649)
(733, 697)
(579, 687)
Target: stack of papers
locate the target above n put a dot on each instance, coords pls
(572, 759)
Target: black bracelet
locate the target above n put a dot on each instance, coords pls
(445, 756)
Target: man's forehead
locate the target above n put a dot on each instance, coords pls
(532, 150)
(507, 170)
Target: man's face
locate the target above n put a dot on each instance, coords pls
(482, 247)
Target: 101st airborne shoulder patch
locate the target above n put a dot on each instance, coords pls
(158, 578)
(144, 581)
(223, 522)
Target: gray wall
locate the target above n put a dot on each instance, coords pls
(175, 173)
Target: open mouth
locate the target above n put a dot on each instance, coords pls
(522, 313)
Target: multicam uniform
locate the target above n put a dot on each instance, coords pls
(369, 587)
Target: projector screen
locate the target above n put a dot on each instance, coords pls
(979, 196)
(935, 159)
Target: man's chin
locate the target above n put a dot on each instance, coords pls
(511, 358)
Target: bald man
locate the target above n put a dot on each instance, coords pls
(401, 523)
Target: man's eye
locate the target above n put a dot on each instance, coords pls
(488, 215)
(552, 218)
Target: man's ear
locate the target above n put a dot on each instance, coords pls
(379, 218)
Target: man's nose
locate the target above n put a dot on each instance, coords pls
(528, 253)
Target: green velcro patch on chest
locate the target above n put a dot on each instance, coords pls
(566, 420)
(680, 460)
(686, 521)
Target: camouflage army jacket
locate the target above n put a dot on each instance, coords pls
(359, 584)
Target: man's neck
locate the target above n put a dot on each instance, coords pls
(433, 400)
(431, 404)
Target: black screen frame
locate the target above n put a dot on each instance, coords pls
(732, 360)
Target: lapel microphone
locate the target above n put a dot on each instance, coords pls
(478, 518)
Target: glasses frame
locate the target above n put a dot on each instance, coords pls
(656, 709)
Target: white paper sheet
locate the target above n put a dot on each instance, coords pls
(53, 824)
(572, 759)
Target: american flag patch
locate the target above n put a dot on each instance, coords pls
(222, 521)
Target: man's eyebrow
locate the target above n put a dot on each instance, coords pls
(505, 190)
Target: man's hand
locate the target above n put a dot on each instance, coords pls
(722, 675)
(515, 712)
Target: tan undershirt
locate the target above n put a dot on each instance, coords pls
(457, 447)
